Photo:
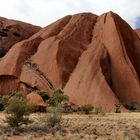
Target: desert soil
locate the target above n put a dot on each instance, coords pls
(109, 126)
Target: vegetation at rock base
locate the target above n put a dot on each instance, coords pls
(4, 101)
(117, 108)
(18, 110)
(98, 110)
(43, 94)
(54, 116)
(132, 105)
(54, 119)
(86, 109)
(57, 97)
(55, 108)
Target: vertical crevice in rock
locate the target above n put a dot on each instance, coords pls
(73, 42)
(106, 69)
(105, 18)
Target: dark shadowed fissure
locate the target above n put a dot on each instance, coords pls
(30, 88)
(106, 70)
(70, 56)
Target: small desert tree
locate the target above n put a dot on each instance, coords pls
(55, 108)
(43, 94)
(57, 98)
(54, 117)
(18, 111)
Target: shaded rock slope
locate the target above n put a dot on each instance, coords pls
(12, 31)
(138, 32)
(94, 59)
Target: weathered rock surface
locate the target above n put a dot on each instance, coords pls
(55, 67)
(89, 83)
(12, 31)
(108, 71)
(64, 47)
(36, 100)
(94, 59)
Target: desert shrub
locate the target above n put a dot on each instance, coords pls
(68, 109)
(86, 109)
(53, 117)
(43, 94)
(18, 111)
(4, 101)
(57, 98)
(132, 106)
(117, 108)
(55, 109)
(5, 98)
(98, 110)
(17, 94)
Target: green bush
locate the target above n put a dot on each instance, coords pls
(132, 106)
(54, 116)
(68, 109)
(55, 109)
(43, 94)
(54, 119)
(5, 98)
(86, 108)
(14, 121)
(117, 108)
(17, 94)
(98, 110)
(4, 101)
(18, 111)
(57, 98)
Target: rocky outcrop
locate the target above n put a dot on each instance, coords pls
(12, 31)
(89, 83)
(138, 32)
(64, 47)
(94, 59)
(36, 100)
(108, 72)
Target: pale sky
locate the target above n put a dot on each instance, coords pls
(44, 12)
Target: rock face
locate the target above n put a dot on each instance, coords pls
(64, 47)
(94, 59)
(138, 32)
(108, 71)
(47, 59)
(12, 31)
(36, 100)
